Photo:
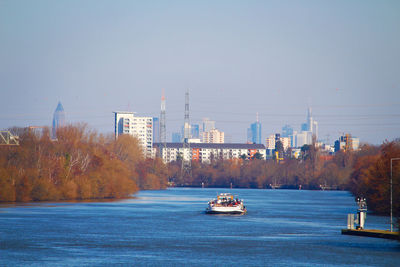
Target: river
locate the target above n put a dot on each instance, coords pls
(170, 228)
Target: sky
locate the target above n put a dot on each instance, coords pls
(236, 58)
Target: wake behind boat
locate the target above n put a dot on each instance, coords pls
(225, 203)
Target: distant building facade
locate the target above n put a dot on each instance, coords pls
(139, 127)
(312, 125)
(195, 131)
(286, 142)
(301, 139)
(347, 142)
(270, 142)
(205, 153)
(176, 137)
(309, 130)
(254, 133)
(208, 125)
(214, 136)
(287, 131)
(58, 119)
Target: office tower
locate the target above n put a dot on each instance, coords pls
(58, 119)
(195, 131)
(254, 132)
(176, 137)
(208, 125)
(287, 131)
(312, 126)
(304, 127)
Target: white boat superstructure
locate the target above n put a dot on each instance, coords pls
(225, 203)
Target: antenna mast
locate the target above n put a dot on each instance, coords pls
(186, 170)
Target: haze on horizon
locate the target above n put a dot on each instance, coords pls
(236, 57)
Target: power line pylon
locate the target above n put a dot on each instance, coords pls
(186, 169)
(7, 139)
(163, 131)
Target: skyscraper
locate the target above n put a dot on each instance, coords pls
(195, 131)
(58, 119)
(208, 125)
(312, 126)
(254, 133)
(176, 137)
(287, 131)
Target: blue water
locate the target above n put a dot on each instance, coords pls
(169, 228)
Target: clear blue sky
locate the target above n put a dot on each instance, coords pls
(237, 57)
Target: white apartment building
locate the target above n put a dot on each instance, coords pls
(301, 139)
(139, 127)
(270, 142)
(207, 152)
(285, 142)
(214, 136)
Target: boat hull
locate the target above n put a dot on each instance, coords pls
(225, 210)
(225, 203)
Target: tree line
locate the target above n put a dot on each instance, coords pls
(80, 164)
(365, 173)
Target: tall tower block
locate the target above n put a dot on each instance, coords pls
(58, 119)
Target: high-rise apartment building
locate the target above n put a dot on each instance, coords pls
(58, 119)
(285, 142)
(270, 142)
(214, 136)
(139, 127)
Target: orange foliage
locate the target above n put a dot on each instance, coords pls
(80, 164)
(371, 178)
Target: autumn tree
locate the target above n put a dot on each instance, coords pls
(80, 164)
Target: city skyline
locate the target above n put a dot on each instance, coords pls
(276, 58)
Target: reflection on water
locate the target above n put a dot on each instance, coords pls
(169, 228)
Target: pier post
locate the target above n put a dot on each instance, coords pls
(361, 212)
(350, 221)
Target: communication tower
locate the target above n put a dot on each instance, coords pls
(186, 170)
(8, 139)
